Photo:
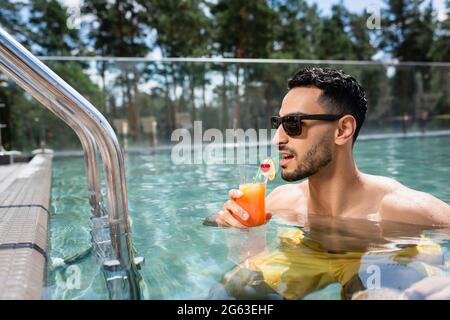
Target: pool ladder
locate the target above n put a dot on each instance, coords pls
(111, 233)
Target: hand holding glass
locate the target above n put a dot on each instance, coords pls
(253, 187)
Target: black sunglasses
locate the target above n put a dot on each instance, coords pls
(292, 123)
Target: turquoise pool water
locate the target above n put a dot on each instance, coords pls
(185, 260)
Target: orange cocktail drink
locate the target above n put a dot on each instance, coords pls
(253, 181)
(253, 201)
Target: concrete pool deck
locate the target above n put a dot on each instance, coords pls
(24, 214)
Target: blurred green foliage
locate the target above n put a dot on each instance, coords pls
(222, 95)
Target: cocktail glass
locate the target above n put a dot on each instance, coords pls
(253, 187)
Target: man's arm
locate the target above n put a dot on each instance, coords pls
(277, 202)
(414, 207)
(224, 217)
(430, 288)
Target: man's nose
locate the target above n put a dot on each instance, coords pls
(280, 137)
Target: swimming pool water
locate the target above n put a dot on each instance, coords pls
(168, 203)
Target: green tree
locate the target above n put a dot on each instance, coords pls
(182, 30)
(362, 46)
(440, 50)
(407, 35)
(48, 30)
(10, 19)
(13, 23)
(344, 36)
(117, 30)
(296, 29)
(48, 34)
(407, 30)
(334, 41)
(243, 29)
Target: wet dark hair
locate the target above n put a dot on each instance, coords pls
(341, 93)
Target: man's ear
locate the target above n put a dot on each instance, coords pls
(345, 130)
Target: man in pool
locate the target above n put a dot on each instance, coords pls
(318, 123)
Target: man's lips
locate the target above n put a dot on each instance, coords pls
(285, 154)
(286, 157)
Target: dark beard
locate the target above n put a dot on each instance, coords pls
(317, 157)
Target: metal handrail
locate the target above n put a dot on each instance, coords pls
(92, 129)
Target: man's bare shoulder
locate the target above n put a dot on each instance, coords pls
(403, 204)
(382, 183)
(288, 202)
(287, 192)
